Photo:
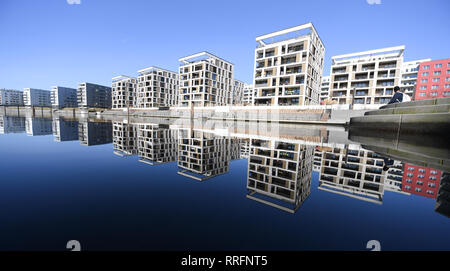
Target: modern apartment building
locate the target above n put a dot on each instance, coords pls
(205, 80)
(157, 87)
(62, 97)
(38, 126)
(248, 94)
(65, 130)
(366, 77)
(11, 124)
(124, 139)
(317, 164)
(94, 133)
(11, 97)
(94, 96)
(409, 76)
(325, 88)
(354, 172)
(421, 180)
(394, 177)
(202, 155)
(157, 144)
(36, 97)
(288, 67)
(280, 170)
(433, 79)
(124, 90)
(238, 92)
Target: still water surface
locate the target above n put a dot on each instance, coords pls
(158, 186)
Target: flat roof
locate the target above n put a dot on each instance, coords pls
(400, 48)
(184, 59)
(121, 77)
(154, 68)
(288, 30)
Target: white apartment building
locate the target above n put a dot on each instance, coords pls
(11, 97)
(325, 88)
(352, 171)
(368, 76)
(238, 93)
(156, 87)
(62, 97)
(409, 76)
(248, 94)
(202, 155)
(124, 137)
(36, 97)
(123, 92)
(281, 170)
(157, 144)
(288, 67)
(205, 80)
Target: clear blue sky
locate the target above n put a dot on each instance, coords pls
(50, 42)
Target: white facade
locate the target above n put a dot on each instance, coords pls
(63, 97)
(369, 76)
(288, 67)
(325, 88)
(36, 97)
(11, 97)
(38, 126)
(249, 93)
(238, 92)
(409, 76)
(123, 92)
(205, 80)
(156, 87)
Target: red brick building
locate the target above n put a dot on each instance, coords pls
(421, 180)
(433, 79)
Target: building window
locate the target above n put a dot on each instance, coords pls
(409, 174)
(433, 178)
(426, 67)
(430, 192)
(436, 79)
(447, 86)
(434, 86)
(422, 94)
(411, 168)
(408, 187)
(425, 74)
(448, 71)
(437, 72)
(433, 94)
(447, 79)
(433, 172)
(408, 180)
(424, 80)
(418, 189)
(421, 170)
(437, 65)
(431, 185)
(419, 182)
(420, 176)
(423, 87)
(446, 93)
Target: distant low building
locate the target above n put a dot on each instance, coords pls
(12, 124)
(38, 126)
(11, 97)
(94, 96)
(62, 97)
(37, 97)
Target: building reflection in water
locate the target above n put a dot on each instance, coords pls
(94, 133)
(203, 155)
(124, 139)
(157, 144)
(12, 124)
(279, 173)
(354, 172)
(38, 126)
(65, 130)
